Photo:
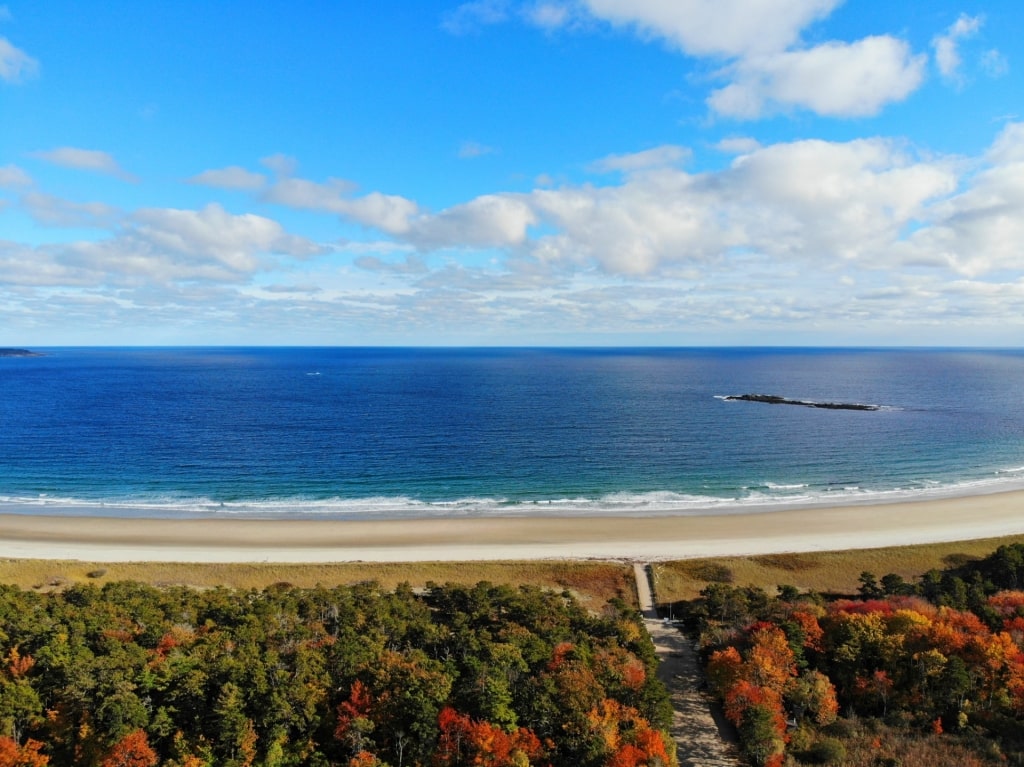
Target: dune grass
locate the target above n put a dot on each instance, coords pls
(593, 582)
(824, 571)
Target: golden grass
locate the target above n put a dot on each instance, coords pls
(827, 571)
(593, 582)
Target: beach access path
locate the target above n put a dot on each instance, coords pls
(701, 738)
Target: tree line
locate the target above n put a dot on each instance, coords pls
(128, 674)
(901, 674)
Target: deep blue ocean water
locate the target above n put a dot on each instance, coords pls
(418, 432)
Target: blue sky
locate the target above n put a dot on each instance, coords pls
(566, 172)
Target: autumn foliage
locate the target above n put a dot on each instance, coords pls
(13, 755)
(486, 676)
(131, 751)
(941, 659)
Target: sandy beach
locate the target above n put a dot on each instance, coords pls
(117, 539)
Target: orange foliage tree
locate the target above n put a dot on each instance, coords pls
(132, 750)
(466, 742)
(13, 755)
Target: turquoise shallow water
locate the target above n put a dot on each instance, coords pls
(421, 432)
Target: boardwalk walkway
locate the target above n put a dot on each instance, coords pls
(699, 740)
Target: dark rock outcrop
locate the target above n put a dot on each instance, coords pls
(772, 399)
(18, 353)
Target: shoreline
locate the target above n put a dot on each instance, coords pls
(638, 538)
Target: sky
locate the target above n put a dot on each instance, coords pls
(512, 172)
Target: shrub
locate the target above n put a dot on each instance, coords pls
(826, 751)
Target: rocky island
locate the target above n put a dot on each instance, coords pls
(773, 399)
(18, 353)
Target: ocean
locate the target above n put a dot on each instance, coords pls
(392, 433)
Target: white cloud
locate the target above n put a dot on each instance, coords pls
(310, 195)
(85, 159)
(808, 204)
(549, 15)
(1008, 147)
(994, 64)
(232, 241)
(717, 28)
(484, 222)
(766, 63)
(657, 157)
(54, 211)
(947, 54)
(470, 150)
(469, 17)
(408, 265)
(980, 230)
(281, 164)
(389, 213)
(158, 247)
(834, 79)
(13, 176)
(232, 177)
(307, 289)
(15, 65)
(738, 145)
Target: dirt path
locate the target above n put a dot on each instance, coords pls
(701, 740)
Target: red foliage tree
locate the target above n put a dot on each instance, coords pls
(463, 741)
(132, 750)
(356, 707)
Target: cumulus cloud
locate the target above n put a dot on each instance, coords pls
(13, 176)
(232, 177)
(85, 159)
(157, 246)
(717, 28)
(738, 145)
(307, 289)
(757, 45)
(16, 66)
(766, 63)
(833, 79)
(234, 242)
(484, 222)
(650, 158)
(310, 195)
(54, 211)
(790, 235)
(947, 54)
(803, 207)
(980, 230)
(389, 213)
(280, 164)
(409, 265)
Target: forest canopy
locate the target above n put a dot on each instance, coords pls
(128, 674)
(899, 675)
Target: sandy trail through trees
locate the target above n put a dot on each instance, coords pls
(701, 739)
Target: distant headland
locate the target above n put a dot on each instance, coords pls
(19, 353)
(773, 399)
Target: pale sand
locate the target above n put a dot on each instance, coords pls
(117, 539)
